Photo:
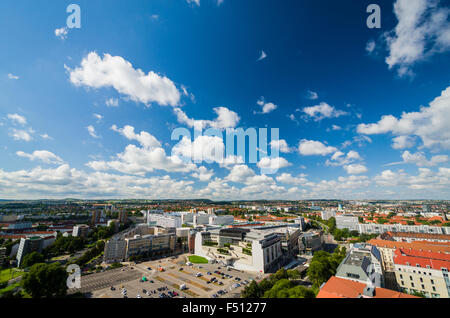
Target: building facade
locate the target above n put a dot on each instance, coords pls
(27, 246)
(423, 272)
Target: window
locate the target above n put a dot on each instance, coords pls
(421, 279)
(423, 287)
(401, 276)
(432, 281)
(434, 288)
(412, 284)
(402, 283)
(410, 278)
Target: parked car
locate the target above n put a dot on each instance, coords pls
(113, 288)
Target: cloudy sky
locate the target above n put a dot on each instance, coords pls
(89, 113)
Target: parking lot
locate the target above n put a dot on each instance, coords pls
(196, 278)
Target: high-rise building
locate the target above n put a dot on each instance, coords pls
(27, 246)
(123, 216)
(96, 216)
(80, 231)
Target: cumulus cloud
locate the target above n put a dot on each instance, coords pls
(262, 56)
(420, 159)
(281, 145)
(314, 148)
(430, 124)
(266, 108)
(225, 119)
(144, 138)
(312, 95)
(355, 169)
(13, 77)
(20, 134)
(340, 159)
(141, 160)
(41, 155)
(287, 178)
(423, 30)
(17, 119)
(203, 174)
(118, 73)
(196, 2)
(61, 33)
(272, 165)
(112, 102)
(322, 111)
(203, 148)
(92, 132)
(402, 142)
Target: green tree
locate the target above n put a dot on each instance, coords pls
(45, 281)
(31, 259)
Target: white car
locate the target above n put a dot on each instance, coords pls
(138, 296)
(198, 275)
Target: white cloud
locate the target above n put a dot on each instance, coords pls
(41, 155)
(203, 148)
(287, 178)
(262, 56)
(281, 145)
(336, 127)
(144, 138)
(312, 95)
(20, 134)
(112, 102)
(323, 110)
(266, 107)
(196, 2)
(423, 30)
(340, 159)
(203, 174)
(99, 117)
(271, 165)
(139, 161)
(421, 160)
(45, 136)
(225, 119)
(17, 119)
(370, 47)
(116, 72)
(402, 142)
(314, 148)
(61, 33)
(355, 169)
(430, 124)
(13, 77)
(92, 132)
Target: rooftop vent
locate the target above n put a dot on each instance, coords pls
(369, 291)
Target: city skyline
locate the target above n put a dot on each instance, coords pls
(88, 113)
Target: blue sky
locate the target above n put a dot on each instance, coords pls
(88, 113)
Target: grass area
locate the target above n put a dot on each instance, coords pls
(9, 273)
(194, 259)
(9, 288)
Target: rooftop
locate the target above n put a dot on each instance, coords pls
(343, 288)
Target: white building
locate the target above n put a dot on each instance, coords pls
(244, 249)
(164, 220)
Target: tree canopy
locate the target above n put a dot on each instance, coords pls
(45, 281)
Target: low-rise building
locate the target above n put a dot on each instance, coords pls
(362, 264)
(350, 222)
(412, 237)
(423, 272)
(310, 242)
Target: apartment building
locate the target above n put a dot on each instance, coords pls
(374, 228)
(2, 254)
(350, 222)
(327, 214)
(115, 251)
(388, 248)
(27, 246)
(80, 231)
(310, 242)
(424, 272)
(163, 220)
(412, 237)
(123, 216)
(244, 249)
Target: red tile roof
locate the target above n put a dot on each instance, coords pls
(337, 287)
(411, 257)
(436, 247)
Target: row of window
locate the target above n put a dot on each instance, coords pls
(412, 285)
(421, 279)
